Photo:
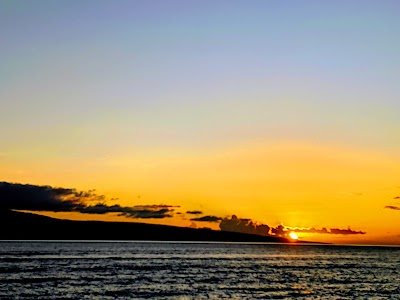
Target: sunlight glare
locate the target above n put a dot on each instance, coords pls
(293, 235)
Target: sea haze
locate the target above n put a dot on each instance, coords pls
(170, 270)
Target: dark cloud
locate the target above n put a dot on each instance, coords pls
(194, 212)
(347, 231)
(392, 207)
(236, 224)
(248, 226)
(156, 206)
(279, 231)
(207, 219)
(148, 214)
(132, 212)
(46, 198)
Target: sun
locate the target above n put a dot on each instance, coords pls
(293, 235)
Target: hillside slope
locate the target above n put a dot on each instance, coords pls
(27, 226)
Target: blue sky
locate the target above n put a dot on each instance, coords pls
(194, 65)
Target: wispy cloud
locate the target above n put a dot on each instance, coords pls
(207, 219)
(46, 198)
(345, 231)
(194, 212)
(392, 207)
(156, 206)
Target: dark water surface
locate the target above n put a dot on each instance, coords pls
(152, 270)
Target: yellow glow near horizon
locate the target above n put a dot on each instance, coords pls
(296, 184)
(293, 235)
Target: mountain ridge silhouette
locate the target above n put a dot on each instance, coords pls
(18, 225)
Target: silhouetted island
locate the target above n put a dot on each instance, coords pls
(27, 226)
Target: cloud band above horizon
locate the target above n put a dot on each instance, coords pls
(248, 226)
(46, 198)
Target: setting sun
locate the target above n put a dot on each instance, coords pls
(293, 236)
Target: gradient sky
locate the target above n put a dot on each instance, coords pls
(285, 112)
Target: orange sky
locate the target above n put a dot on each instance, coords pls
(293, 184)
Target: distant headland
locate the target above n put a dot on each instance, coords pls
(17, 225)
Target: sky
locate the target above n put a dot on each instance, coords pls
(279, 112)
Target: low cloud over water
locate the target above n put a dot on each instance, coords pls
(54, 199)
(249, 226)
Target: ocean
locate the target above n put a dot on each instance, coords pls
(175, 270)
